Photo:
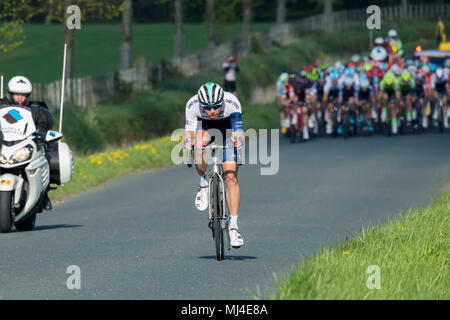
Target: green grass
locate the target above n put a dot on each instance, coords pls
(412, 252)
(96, 49)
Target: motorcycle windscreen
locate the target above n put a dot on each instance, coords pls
(16, 123)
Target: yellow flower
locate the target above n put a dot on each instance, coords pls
(403, 228)
(346, 253)
(99, 162)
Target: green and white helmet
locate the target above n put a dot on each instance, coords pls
(210, 94)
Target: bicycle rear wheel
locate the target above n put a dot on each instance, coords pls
(217, 213)
(441, 118)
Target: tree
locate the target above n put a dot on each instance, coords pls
(246, 21)
(14, 13)
(281, 12)
(210, 23)
(89, 9)
(178, 48)
(127, 35)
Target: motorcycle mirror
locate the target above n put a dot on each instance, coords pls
(53, 136)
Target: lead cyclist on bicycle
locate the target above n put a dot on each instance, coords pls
(439, 83)
(212, 108)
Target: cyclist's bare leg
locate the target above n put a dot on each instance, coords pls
(202, 139)
(230, 169)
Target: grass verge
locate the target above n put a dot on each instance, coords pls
(411, 251)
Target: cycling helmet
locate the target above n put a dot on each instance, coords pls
(308, 67)
(355, 58)
(379, 40)
(317, 63)
(425, 68)
(323, 67)
(412, 69)
(348, 82)
(396, 70)
(389, 78)
(406, 76)
(433, 67)
(392, 33)
(367, 66)
(365, 83)
(439, 73)
(210, 94)
(339, 66)
(349, 72)
(334, 74)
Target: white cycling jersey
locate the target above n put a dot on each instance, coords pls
(232, 109)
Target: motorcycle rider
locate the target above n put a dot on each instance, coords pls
(19, 94)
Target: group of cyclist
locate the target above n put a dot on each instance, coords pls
(383, 93)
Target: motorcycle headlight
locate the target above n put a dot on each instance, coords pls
(23, 154)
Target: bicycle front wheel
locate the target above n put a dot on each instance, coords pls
(217, 214)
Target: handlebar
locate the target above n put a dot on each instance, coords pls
(212, 147)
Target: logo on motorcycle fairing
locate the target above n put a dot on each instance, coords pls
(13, 116)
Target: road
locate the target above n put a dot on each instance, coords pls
(140, 237)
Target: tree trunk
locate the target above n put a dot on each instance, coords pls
(178, 49)
(127, 36)
(210, 25)
(51, 12)
(247, 17)
(281, 12)
(404, 9)
(69, 39)
(328, 10)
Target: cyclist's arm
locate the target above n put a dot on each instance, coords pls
(191, 122)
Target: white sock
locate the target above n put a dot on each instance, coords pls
(203, 182)
(233, 222)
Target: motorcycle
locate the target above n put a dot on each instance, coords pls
(29, 162)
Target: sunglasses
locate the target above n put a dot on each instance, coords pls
(213, 107)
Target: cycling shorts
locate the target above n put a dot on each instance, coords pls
(224, 127)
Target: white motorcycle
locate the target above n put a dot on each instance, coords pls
(26, 169)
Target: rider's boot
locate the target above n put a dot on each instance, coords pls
(47, 203)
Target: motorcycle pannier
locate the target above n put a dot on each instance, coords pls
(60, 160)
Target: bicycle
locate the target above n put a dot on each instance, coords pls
(217, 215)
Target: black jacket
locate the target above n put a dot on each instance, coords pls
(42, 116)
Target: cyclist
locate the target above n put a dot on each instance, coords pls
(348, 97)
(440, 85)
(395, 43)
(302, 85)
(280, 88)
(419, 96)
(288, 98)
(407, 88)
(212, 108)
(366, 101)
(389, 91)
(331, 91)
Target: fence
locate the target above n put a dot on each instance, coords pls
(90, 91)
